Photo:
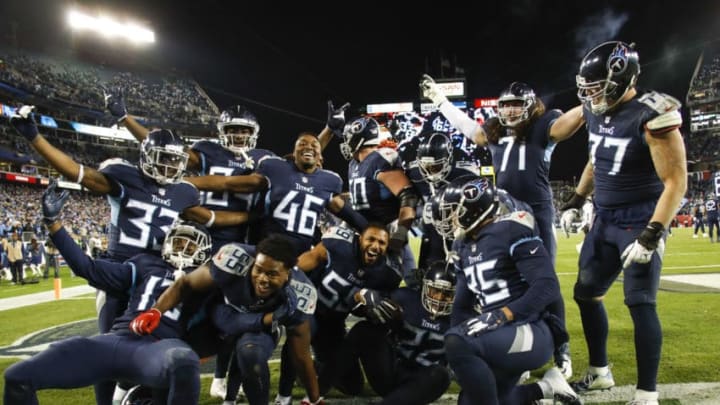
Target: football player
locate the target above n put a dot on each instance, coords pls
(161, 360)
(638, 170)
(431, 161)
(262, 292)
(505, 281)
(711, 213)
(355, 275)
(521, 140)
(404, 359)
(297, 192)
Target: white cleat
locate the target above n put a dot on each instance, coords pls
(218, 388)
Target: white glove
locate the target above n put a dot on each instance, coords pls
(637, 253)
(431, 91)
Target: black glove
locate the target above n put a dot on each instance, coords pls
(52, 202)
(287, 309)
(369, 298)
(24, 123)
(115, 102)
(576, 201)
(398, 239)
(385, 312)
(336, 118)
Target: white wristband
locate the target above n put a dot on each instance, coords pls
(211, 221)
(81, 174)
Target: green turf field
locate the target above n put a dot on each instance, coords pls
(690, 315)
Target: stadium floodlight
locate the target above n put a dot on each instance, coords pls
(110, 28)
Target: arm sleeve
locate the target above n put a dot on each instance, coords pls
(459, 119)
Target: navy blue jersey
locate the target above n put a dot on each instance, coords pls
(523, 167)
(215, 159)
(462, 164)
(295, 200)
(142, 278)
(144, 211)
(344, 274)
(368, 195)
(711, 208)
(421, 339)
(230, 269)
(624, 173)
(497, 267)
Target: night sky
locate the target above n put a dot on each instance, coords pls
(284, 61)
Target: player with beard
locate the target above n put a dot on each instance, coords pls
(354, 274)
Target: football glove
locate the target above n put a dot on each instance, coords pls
(386, 312)
(115, 102)
(642, 249)
(24, 123)
(369, 298)
(398, 239)
(336, 118)
(306, 401)
(146, 323)
(52, 202)
(286, 310)
(576, 201)
(485, 322)
(431, 91)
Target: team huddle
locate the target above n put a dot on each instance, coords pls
(223, 249)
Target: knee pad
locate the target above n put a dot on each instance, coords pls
(183, 362)
(248, 355)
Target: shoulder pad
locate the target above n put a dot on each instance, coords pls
(665, 122)
(234, 259)
(521, 217)
(340, 233)
(306, 296)
(389, 154)
(114, 161)
(660, 102)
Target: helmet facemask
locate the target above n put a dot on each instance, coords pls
(511, 114)
(166, 164)
(186, 246)
(438, 297)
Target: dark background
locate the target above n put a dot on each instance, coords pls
(283, 61)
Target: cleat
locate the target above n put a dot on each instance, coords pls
(563, 360)
(593, 382)
(281, 400)
(218, 389)
(554, 386)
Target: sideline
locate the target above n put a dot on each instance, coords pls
(45, 296)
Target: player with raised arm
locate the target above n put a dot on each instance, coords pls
(638, 171)
(506, 279)
(161, 360)
(521, 140)
(262, 292)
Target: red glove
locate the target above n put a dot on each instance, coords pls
(146, 323)
(306, 401)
